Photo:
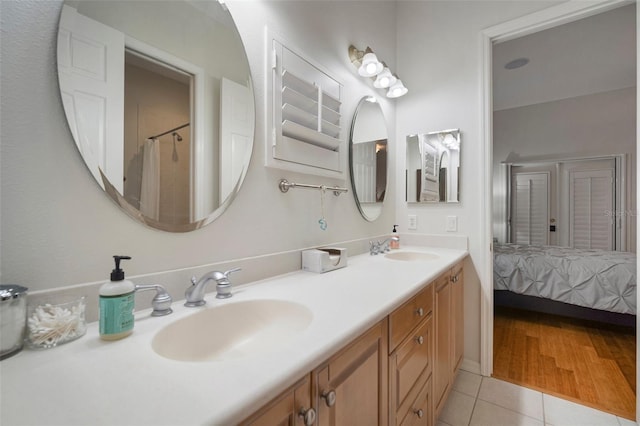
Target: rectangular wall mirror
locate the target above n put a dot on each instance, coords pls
(433, 167)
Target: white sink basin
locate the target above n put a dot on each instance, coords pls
(412, 256)
(232, 330)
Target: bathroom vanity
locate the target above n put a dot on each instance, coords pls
(378, 342)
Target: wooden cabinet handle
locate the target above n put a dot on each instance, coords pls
(419, 340)
(329, 397)
(420, 312)
(419, 413)
(308, 416)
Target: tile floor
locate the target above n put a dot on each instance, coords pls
(484, 401)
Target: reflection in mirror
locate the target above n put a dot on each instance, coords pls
(433, 167)
(159, 101)
(368, 157)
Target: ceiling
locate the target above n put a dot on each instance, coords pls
(592, 55)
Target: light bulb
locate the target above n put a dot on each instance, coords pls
(370, 65)
(397, 90)
(384, 79)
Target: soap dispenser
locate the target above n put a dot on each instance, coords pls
(395, 239)
(117, 298)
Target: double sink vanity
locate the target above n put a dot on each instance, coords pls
(377, 342)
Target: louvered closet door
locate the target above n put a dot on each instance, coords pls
(530, 217)
(591, 203)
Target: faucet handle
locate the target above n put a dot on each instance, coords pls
(226, 274)
(161, 302)
(194, 280)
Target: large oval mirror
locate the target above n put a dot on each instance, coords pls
(368, 157)
(159, 101)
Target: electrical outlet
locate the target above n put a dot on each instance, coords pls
(452, 224)
(413, 222)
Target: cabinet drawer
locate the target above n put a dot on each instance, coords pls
(410, 365)
(408, 316)
(420, 412)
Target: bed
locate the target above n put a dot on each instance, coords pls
(592, 284)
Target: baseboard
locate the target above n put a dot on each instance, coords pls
(470, 366)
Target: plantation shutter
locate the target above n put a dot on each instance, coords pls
(530, 208)
(591, 208)
(306, 118)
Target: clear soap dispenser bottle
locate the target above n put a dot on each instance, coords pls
(117, 299)
(395, 239)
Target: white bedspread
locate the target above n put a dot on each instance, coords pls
(595, 279)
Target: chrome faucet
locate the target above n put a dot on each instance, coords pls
(194, 295)
(376, 247)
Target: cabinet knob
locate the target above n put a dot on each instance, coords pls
(419, 413)
(420, 312)
(329, 397)
(419, 340)
(308, 416)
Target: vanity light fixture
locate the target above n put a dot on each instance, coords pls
(368, 65)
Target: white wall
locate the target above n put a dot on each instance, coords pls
(59, 229)
(439, 60)
(585, 126)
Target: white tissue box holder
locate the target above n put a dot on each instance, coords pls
(324, 259)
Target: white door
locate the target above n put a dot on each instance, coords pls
(530, 209)
(364, 171)
(236, 124)
(91, 74)
(591, 207)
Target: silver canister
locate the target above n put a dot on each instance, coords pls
(13, 319)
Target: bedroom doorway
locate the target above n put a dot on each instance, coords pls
(580, 187)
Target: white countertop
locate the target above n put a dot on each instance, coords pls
(90, 381)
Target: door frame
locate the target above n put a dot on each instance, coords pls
(556, 15)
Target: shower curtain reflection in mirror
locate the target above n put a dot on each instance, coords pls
(157, 135)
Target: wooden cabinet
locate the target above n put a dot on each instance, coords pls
(291, 408)
(421, 411)
(409, 315)
(449, 332)
(411, 359)
(457, 315)
(351, 388)
(442, 357)
(399, 372)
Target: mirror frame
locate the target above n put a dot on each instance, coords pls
(134, 212)
(364, 101)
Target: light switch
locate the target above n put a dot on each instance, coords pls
(452, 224)
(413, 222)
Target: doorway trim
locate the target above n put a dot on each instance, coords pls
(548, 18)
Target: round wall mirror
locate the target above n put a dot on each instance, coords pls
(159, 100)
(368, 157)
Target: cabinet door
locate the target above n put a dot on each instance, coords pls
(442, 358)
(457, 308)
(351, 388)
(290, 408)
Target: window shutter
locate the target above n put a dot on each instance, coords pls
(591, 197)
(306, 120)
(531, 208)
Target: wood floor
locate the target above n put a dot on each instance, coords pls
(589, 363)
